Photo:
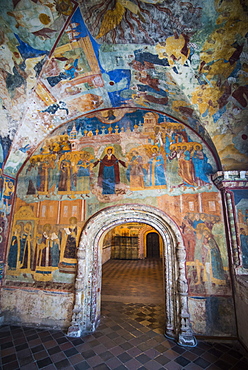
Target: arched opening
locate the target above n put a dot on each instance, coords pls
(130, 281)
(152, 245)
(136, 287)
(122, 242)
(131, 241)
(86, 312)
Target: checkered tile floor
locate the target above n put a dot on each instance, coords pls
(129, 337)
(133, 281)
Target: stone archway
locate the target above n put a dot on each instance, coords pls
(86, 311)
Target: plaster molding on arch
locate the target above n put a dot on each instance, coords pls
(86, 312)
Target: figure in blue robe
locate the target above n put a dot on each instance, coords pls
(83, 173)
(14, 250)
(156, 169)
(212, 256)
(167, 144)
(201, 166)
(197, 221)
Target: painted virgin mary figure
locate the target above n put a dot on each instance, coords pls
(109, 172)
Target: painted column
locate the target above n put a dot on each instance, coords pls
(234, 188)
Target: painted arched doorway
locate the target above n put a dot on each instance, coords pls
(86, 312)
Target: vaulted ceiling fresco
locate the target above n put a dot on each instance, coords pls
(122, 110)
(61, 60)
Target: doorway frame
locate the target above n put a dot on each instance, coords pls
(160, 249)
(87, 303)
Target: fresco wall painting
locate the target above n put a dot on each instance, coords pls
(241, 206)
(45, 239)
(57, 64)
(161, 71)
(80, 74)
(90, 164)
(7, 193)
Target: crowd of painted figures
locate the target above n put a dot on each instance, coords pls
(203, 238)
(169, 159)
(55, 247)
(43, 252)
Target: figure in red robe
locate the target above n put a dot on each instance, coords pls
(109, 173)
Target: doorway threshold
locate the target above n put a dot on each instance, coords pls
(130, 299)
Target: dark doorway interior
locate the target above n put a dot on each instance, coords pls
(152, 245)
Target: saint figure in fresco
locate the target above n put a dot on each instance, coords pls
(196, 220)
(189, 239)
(244, 247)
(83, 172)
(136, 172)
(212, 261)
(198, 256)
(173, 177)
(156, 169)
(30, 174)
(166, 141)
(15, 247)
(64, 175)
(42, 177)
(48, 248)
(201, 167)
(26, 249)
(109, 173)
(158, 139)
(186, 167)
(70, 240)
(8, 192)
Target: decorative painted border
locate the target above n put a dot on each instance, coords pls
(230, 179)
